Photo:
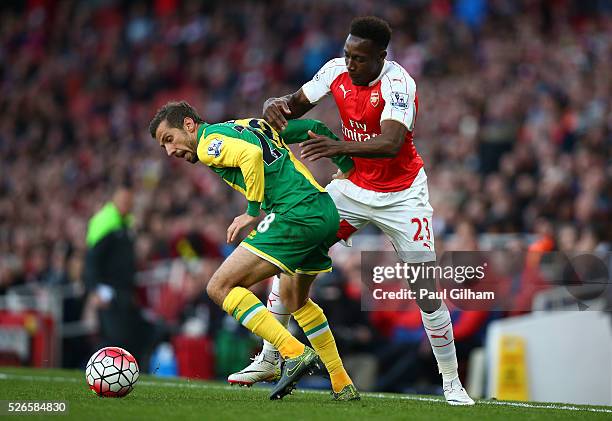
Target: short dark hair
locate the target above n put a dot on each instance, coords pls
(174, 113)
(373, 28)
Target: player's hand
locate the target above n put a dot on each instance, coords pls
(274, 112)
(240, 222)
(320, 147)
(343, 175)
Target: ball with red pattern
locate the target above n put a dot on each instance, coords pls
(111, 372)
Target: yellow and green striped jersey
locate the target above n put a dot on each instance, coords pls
(250, 156)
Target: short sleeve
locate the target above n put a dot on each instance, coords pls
(320, 84)
(398, 90)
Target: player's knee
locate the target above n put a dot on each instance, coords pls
(211, 289)
(216, 289)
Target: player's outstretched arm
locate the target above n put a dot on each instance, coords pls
(277, 111)
(298, 131)
(385, 145)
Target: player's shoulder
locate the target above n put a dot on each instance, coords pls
(212, 139)
(230, 131)
(332, 69)
(335, 63)
(217, 129)
(396, 78)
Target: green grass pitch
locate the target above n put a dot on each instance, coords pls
(155, 398)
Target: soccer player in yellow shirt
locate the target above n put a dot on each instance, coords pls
(294, 237)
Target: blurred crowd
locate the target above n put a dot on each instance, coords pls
(514, 124)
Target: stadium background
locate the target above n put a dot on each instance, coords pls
(514, 127)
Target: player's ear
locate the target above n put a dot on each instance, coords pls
(188, 124)
(383, 55)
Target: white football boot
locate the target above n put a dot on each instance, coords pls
(264, 368)
(455, 394)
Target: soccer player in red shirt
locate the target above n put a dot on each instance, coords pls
(378, 106)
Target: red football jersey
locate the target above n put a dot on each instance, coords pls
(391, 96)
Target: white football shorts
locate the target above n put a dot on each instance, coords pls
(404, 216)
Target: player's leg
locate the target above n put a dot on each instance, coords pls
(228, 289)
(277, 308)
(408, 226)
(288, 240)
(309, 315)
(312, 320)
(265, 367)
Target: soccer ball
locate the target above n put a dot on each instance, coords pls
(111, 372)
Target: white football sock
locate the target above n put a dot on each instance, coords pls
(278, 310)
(439, 329)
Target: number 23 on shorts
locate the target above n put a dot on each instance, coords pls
(418, 236)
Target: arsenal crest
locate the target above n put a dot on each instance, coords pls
(374, 98)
